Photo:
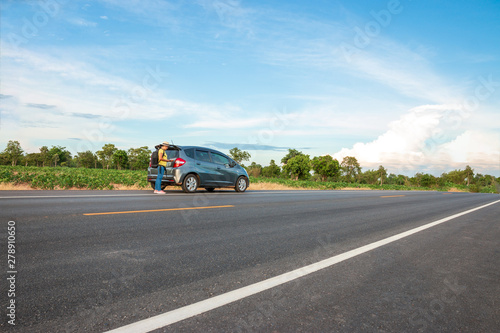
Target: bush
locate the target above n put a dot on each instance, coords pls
(474, 188)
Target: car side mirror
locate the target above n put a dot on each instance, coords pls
(232, 164)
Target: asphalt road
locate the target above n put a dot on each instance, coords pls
(144, 255)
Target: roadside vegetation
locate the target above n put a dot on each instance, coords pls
(112, 168)
(332, 185)
(50, 178)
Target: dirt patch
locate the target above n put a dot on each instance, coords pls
(13, 187)
(454, 189)
(356, 189)
(121, 187)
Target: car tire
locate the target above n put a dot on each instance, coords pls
(209, 189)
(241, 184)
(190, 184)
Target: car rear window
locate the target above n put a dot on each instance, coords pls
(172, 153)
(189, 152)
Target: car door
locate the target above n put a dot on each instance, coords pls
(172, 154)
(205, 168)
(225, 175)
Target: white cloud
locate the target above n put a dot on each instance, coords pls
(28, 64)
(479, 149)
(84, 101)
(429, 138)
(405, 69)
(49, 80)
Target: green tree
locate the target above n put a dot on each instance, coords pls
(254, 169)
(291, 154)
(298, 167)
(382, 174)
(63, 155)
(239, 155)
(484, 180)
(325, 166)
(31, 159)
(106, 154)
(139, 158)
(55, 158)
(469, 174)
(455, 177)
(13, 152)
(350, 168)
(120, 159)
(424, 180)
(3, 159)
(86, 159)
(396, 180)
(271, 171)
(368, 177)
(44, 155)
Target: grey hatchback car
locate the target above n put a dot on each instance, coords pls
(194, 167)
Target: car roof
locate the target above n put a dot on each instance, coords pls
(198, 147)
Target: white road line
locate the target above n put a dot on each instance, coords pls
(174, 316)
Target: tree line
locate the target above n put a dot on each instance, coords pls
(108, 157)
(299, 166)
(295, 165)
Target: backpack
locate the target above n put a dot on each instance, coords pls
(154, 159)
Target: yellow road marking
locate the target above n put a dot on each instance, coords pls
(393, 196)
(157, 210)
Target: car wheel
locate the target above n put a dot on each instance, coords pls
(209, 189)
(190, 184)
(241, 184)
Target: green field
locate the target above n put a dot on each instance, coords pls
(307, 184)
(50, 178)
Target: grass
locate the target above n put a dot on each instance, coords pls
(50, 178)
(313, 185)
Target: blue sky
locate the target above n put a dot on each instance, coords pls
(412, 85)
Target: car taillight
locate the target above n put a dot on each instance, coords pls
(179, 162)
